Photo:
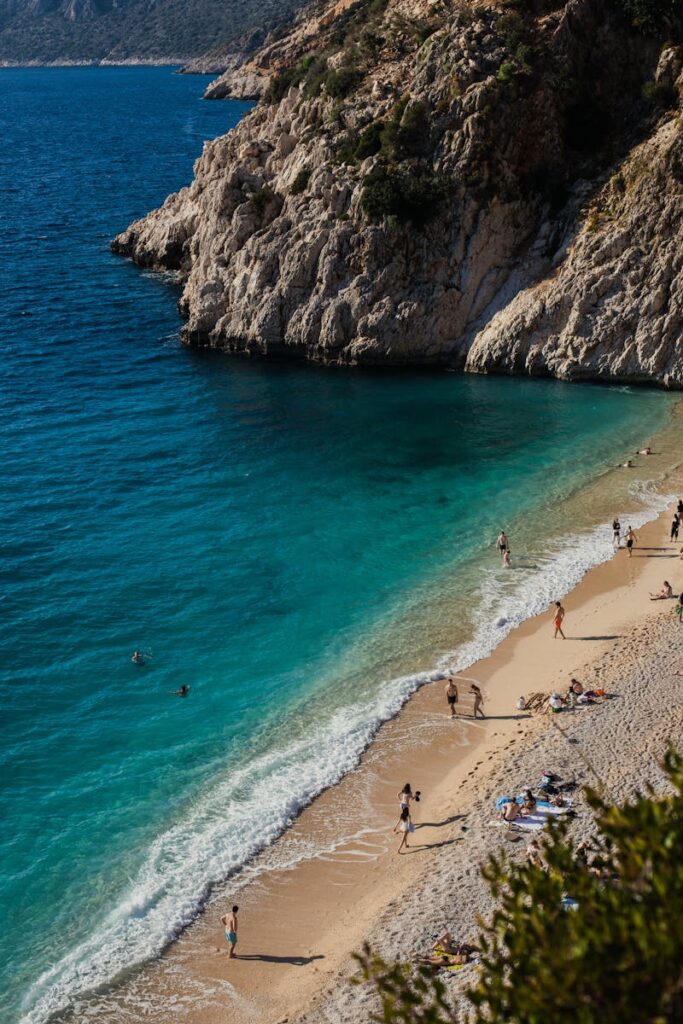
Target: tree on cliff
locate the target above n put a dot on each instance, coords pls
(617, 958)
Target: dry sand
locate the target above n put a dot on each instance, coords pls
(300, 924)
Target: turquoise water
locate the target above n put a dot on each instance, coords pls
(289, 542)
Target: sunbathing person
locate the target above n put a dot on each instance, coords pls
(529, 803)
(510, 811)
(446, 959)
(664, 594)
(445, 943)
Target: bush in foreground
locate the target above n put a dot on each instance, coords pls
(618, 959)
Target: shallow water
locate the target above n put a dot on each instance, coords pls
(302, 547)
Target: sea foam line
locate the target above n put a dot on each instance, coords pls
(225, 829)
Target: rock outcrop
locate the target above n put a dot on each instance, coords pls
(442, 184)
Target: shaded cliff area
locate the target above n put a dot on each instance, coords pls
(495, 187)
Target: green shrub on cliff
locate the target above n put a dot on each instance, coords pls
(409, 197)
(649, 15)
(617, 959)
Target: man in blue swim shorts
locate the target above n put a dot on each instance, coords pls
(230, 922)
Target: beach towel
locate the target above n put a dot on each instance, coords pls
(544, 812)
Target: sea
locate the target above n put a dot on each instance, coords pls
(302, 547)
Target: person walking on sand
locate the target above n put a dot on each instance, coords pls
(675, 524)
(558, 619)
(478, 701)
(404, 826)
(630, 540)
(451, 695)
(616, 533)
(405, 797)
(230, 923)
(679, 508)
(502, 544)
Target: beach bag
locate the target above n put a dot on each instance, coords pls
(411, 827)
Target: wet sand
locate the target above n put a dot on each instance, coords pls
(334, 878)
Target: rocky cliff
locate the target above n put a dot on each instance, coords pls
(496, 187)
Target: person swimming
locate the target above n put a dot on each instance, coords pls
(182, 692)
(138, 657)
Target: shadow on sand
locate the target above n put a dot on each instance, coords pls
(268, 958)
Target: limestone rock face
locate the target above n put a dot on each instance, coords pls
(465, 187)
(613, 308)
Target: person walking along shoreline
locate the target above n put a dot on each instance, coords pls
(558, 619)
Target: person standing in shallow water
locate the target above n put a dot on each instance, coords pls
(230, 923)
(502, 543)
(452, 696)
(478, 701)
(616, 533)
(558, 619)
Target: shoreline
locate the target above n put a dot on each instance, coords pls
(318, 856)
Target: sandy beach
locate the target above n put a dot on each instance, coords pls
(334, 879)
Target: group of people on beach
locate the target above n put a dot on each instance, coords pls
(527, 804)
(452, 698)
(629, 537)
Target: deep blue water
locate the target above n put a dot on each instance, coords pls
(271, 535)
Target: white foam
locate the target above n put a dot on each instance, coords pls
(249, 809)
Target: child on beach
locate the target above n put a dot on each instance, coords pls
(664, 594)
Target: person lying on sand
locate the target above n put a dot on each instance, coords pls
(445, 959)
(444, 946)
(644, 451)
(664, 594)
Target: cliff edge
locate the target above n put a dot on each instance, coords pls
(495, 187)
